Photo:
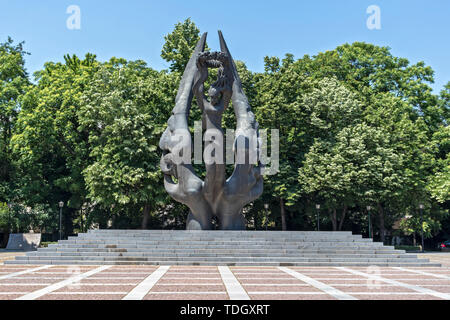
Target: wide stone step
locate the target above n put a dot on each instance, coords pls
(245, 233)
(198, 239)
(258, 248)
(280, 239)
(380, 250)
(230, 243)
(215, 254)
(214, 246)
(215, 263)
(223, 259)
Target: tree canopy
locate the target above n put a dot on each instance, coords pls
(358, 127)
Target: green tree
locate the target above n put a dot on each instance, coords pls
(13, 84)
(306, 111)
(179, 45)
(358, 167)
(49, 149)
(124, 110)
(372, 69)
(439, 182)
(274, 103)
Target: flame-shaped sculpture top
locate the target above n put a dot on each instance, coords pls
(216, 195)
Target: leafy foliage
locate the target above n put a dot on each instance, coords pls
(13, 84)
(123, 110)
(180, 44)
(358, 126)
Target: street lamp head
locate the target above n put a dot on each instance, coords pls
(421, 206)
(266, 206)
(61, 204)
(369, 208)
(317, 206)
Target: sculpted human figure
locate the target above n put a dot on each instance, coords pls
(216, 195)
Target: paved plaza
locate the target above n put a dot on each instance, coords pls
(50, 282)
(9, 255)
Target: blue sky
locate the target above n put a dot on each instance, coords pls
(134, 29)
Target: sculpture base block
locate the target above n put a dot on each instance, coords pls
(24, 241)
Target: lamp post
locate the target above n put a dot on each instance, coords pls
(318, 212)
(421, 206)
(61, 205)
(9, 216)
(370, 222)
(266, 206)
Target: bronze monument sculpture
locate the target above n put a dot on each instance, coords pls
(216, 196)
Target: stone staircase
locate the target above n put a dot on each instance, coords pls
(244, 248)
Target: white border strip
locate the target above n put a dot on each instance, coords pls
(399, 284)
(141, 290)
(234, 289)
(188, 292)
(321, 293)
(39, 293)
(15, 274)
(319, 285)
(442, 276)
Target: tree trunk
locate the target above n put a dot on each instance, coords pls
(381, 222)
(333, 218)
(283, 215)
(344, 212)
(145, 216)
(81, 220)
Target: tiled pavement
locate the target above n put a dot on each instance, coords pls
(210, 283)
(438, 257)
(9, 255)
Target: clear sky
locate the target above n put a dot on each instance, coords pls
(416, 29)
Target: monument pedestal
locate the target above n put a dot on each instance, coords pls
(244, 248)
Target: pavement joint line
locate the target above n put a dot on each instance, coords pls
(93, 278)
(12, 293)
(382, 285)
(399, 284)
(353, 279)
(330, 284)
(343, 274)
(288, 292)
(276, 284)
(390, 293)
(15, 274)
(86, 293)
(320, 293)
(48, 284)
(266, 278)
(141, 290)
(319, 285)
(111, 273)
(268, 273)
(190, 278)
(190, 284)
(441, 276)
(199, 272)
(234, 288)
(39, 293)
(24, 284)
(188, 292)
